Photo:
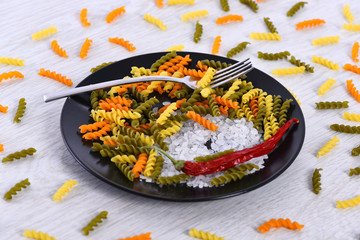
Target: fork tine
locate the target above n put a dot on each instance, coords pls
(231, 68)
(230, 73)
(226, 79)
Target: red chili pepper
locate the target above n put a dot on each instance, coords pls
(232, 159)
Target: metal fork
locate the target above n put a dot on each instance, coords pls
(221, 77)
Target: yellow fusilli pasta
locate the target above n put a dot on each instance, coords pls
(325, 62)
(11, 61)
(164, 116)
(206, 79)
(191, 15)
(326, 86)
(288, 71)
(347, 13)
(325, 40)
(149, 167)
(328, 146)
(155, 21)
(174, 2)
(351, 27)
(178, 48)
(44, 33)
(348, 203)
(37, 235)
(351, 116)
(204, 235)
(265, 36)
(64, 189)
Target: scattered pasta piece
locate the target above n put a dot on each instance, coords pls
(274, 56)
(114, 14)
(265, 36)
(83, 18)
(294, 96)
(144, 236)
(216, 45)
(237, 49)
(252, 4)
(347, 13)
(204, 235)
(328, 146)
(37, 235)
(351, 116)
(277, 223)
(155, 21)
(13, 191)
(332, 105)
(229, 18)
(352, 68)
(355, 52)
(287, 71)
(295, 8)
(325, 62)
(352, 89)
(55, 76)
(1, 147)
(44, 33)
(270, 25)
(326, 86)
(354, 171)
(345, 128)
(206, 123)
(195, 14)
(198, 32)
(325, 40)
(57, 49)
(351, 27)
(64, 189)
(225, 5)
(316, 180)
(94, 222)
(309, 24)
(355, 151)
(297, 62)
(129, 46)
(175, 2)
(348, 203)
(85, 48)
(20, 110)
(178, 48)
(17, 155)
(159, 3)
(12, 74)
(12, 61)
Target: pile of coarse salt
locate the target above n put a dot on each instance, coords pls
(191, 141)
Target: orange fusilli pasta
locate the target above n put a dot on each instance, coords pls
(83, 18)
(95, 135)
(114, 14)
(129, 46)
(58, 50)
(216, 45)
(225, 102)
(140, 164)
(206, 123)
(12, 74)
(145, 236)
(1, 147)
(85, 48)
(55, 76)
(355, 52)
(92, 127)
(352, 68)
(309, 24)
(117, 100)
(4, 109)
(277, 223)
(229, 18)
(192, 72)
(352, 89)
(159, 3)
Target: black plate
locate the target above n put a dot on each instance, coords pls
(76, 112)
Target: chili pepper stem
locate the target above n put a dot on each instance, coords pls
(178, 164)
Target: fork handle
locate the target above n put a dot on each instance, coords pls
(54, 96)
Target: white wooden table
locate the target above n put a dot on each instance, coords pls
(288, 196)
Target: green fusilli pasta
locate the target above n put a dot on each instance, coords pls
(179, 118)
(242, 168)
(130, 149)
(98, 67)
(20, 110)
(17, 155)
(270, 25)
(345, 128)
(208, 158)
(146, 105)
(13, 191)
(316, 180)
(172, 179)
(182, 93)
(154, 67)
(237, 49)
(295, 8)
(273, 56)
(252, 4)
(225, 5)
(332, 105)
(356, 151)
(355, 171)
(226, 178)
(215, 64)
(283, 112)
(213, 106)
(94, 222)
(259, 119)
(157, 167)
(95, 96)
(136, 142)
(198, 109)
(138, 95)
(125, 169)
(298, 63)
(198, 32)
(105, 150)
(277, 106)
